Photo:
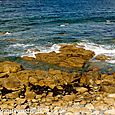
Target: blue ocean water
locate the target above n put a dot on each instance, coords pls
(39, 24)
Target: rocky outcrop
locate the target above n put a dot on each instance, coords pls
(69, 56)
(22, 89)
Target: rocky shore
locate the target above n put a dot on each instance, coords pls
(77, 88)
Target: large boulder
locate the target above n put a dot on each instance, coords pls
(74, 51)
(69, 56)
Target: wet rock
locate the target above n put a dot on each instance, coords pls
(102, 57)
(69, 56)
(76, 51)
(28, 58)
(52, 57)
(10, 67)
(75, 62)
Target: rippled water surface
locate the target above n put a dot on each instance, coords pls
(38, 24)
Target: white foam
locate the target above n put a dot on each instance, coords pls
(108, 22)
(32, 52)
(55, 48)
(62, 25)
(7, 33)
(100, 49)
(20, 45)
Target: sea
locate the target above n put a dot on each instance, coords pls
(30, 26)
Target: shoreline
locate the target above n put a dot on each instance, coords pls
(84, 90)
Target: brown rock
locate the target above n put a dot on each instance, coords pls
(29, 95)
(4, 106)
(23, 76)
(10, 103)
(21, 107)
(54, 72)
(108, 83)
(102, 57)
(69, 56)
(20, 101)
(69, 97)
(81, 89)
(75, 62)
(109, 101)
(12, 95)
(89, 78)
(83, 102)
(2, 75)
(38, 97)
(51, 57)
(77, 51)
(12, 83)
(10, 67)
(108, 89)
